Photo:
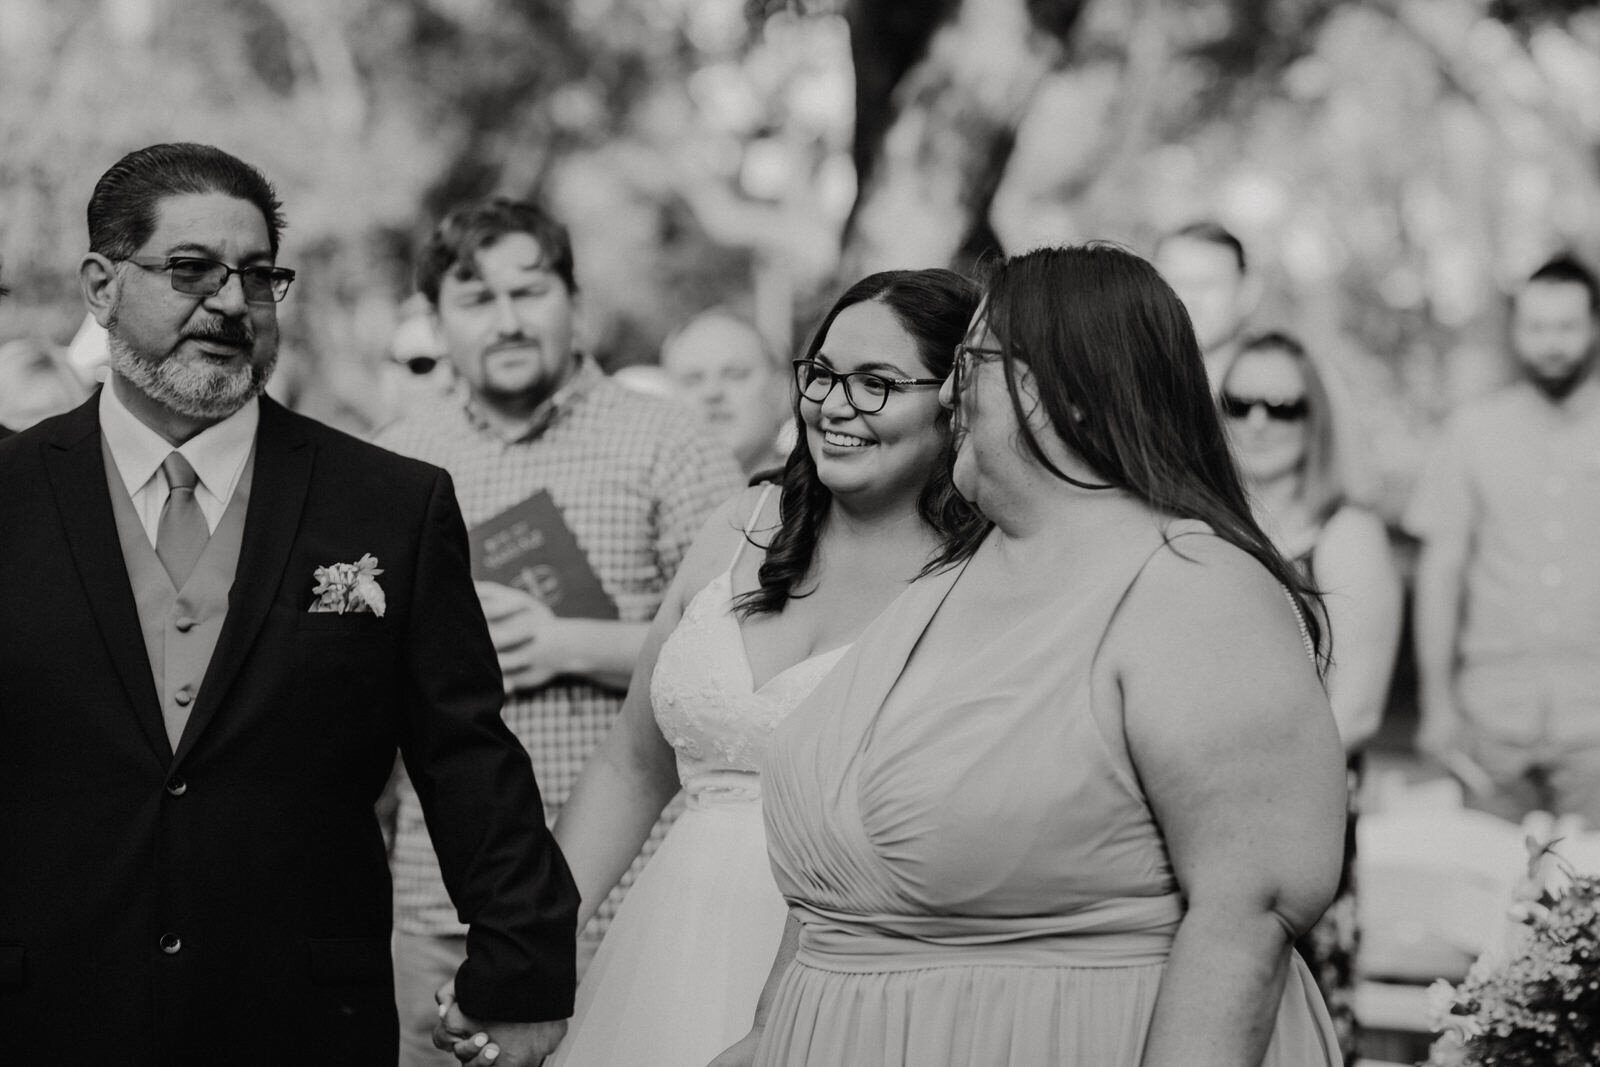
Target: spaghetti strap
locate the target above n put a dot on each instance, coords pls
(749, 524)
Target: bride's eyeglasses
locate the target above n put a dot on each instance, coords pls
(863, 390)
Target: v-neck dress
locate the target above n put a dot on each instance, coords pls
(979, 877)
(676, 980)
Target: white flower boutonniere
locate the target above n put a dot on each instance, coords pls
(349, 587)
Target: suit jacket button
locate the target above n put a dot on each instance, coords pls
(184, 623)
(177, 787)
(183, 696)
(171, 944)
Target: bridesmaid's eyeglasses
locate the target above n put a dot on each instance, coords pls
(967, 357)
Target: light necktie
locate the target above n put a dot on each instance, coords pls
(182, 533)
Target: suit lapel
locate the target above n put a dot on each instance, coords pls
(76, 468)
(282, 475)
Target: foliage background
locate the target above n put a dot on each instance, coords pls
(1393, 165)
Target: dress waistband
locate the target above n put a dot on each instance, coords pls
(831, 946)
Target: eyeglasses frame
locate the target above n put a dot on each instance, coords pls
(278, 278)
(843, 377)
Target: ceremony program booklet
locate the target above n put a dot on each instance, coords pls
(530, 546)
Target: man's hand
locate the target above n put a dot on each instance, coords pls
(489, 1044)
(528, 636)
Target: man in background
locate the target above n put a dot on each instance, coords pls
(722, 364)
(1508, 582)
(540, 440)
(1205, 265)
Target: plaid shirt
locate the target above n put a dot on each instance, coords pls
(635, 479)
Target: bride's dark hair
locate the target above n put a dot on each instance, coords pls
(934, 307)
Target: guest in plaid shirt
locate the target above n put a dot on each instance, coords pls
(634, 477)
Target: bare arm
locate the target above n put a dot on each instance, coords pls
(1363, 598)
(743, 1053)
(1240, 760)
(633, 774)
(1437, 613)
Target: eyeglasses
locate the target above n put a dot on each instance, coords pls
(418, 365)
(863, 390)
(195, 276)
(967, 357)
(1239, 407)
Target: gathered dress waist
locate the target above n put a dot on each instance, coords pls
(1131, 932)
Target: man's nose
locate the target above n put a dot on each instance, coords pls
(229, 300)
(506, 321)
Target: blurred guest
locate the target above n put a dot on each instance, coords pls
(1279, 418)
(1071, 800)
(1205, 264)
(649, 379)
(1508, 582)
(623, 481)
(724, 366)
(762, 608)
(35, 383)
(416, 372)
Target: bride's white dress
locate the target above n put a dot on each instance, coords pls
(676, 980)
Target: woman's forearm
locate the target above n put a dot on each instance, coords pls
(1220, 992)
(607, 819)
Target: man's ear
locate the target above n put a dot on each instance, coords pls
(99, 282)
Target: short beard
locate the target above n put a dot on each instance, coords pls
(190, 388)
(1559, 388)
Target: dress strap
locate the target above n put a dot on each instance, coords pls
(749, 524)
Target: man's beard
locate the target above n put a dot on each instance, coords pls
(1557, 388)
(194, 387)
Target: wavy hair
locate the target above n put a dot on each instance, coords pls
(935, 308)
(1121, 379)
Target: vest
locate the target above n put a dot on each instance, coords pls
(180, 626)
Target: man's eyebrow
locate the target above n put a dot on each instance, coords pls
(192, 248)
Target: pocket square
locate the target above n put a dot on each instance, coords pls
(349, 587)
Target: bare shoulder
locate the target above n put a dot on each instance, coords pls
(714, 546)
(1202, 600)
(1355, 526)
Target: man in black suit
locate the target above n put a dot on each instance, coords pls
(4, 431)
(218, 619)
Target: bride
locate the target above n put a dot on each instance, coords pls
(773, 591)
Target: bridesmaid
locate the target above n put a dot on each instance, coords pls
(1071, 802)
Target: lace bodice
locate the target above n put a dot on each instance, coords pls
(706, 702)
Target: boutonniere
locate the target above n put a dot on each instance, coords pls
(349, 587)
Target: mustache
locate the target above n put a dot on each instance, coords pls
(226, 331)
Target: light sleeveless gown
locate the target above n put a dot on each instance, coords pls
(979, 878)
(676, 980)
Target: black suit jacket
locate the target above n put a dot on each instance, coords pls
(230, 902)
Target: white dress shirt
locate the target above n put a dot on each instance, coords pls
(217, 454)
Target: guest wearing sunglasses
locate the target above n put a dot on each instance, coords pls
(776, 589)
(1280, 422)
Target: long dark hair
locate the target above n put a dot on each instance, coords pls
(935, 308)
(1121, 378)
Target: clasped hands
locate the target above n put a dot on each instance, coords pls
(479, 1044)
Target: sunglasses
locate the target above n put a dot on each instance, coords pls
(418, 365)
(197, 276)
(1239, 407)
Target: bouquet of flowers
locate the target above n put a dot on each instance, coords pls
(1539, 1004)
